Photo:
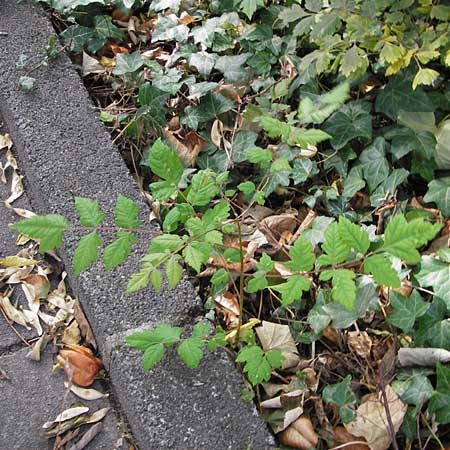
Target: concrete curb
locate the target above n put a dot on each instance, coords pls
(64, 151)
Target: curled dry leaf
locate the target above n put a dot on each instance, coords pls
(66, 415)
(187, 144)
(371, 420)
(360, 343)
(300, 434)
(79, 363)
(85, 394)
(342, 436)
(71, 334)
(87, 437)
(422, 356)
(228, 304)
(38, 347)
(274, 336)
(5, 141)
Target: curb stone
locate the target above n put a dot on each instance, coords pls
(64, 151)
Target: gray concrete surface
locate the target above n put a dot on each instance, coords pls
(65, 152)
(34, 395)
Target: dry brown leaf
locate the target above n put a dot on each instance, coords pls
(87, 437)
(274, 336)
(5, 141)
(13, 313)
(79, 363)
(188, 145)
(91, 65)
(67, 414)
(85, 394)
(17, 261)
(186, 18)
(84, 326)
(38, 347)
(300, 434)
(342, 436)
(371, 420)
(71, 334)
(228, 304)
(360, 343)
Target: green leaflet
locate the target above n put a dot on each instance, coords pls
(302, 256)
(353, 235)
(335, 248)
(89, 212)
(86, 252)
(381, 269)
(126, 212)
(118, 251)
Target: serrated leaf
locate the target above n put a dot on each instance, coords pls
(165, 162)
(48, 230)
(292, 289)
(162, 334)
(152, 356)
(257, 282)
(174, 271)
(344, 288)
(86, 252)
(203, 188)
(274, 127)
(353, 235)
(439, 193)
(191, 351)
(406, 310)
(89, 212)
(139, 280)
(335, 248)
(125, 213)
(381, 269)
(118, 251)
(196, 254)
(156, 279)
(303, 137)
(302, 256)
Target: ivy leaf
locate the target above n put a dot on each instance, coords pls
(303, 169)
(398, 95)
(86, 252)
(439, 193)
(258, 364)
(302, 256)
(374, 163)
(381, 269)
(196, 254)
(232, 67)
(435, 274)
(126, 212)
(292, 289)
(203, 62)
(105, 28)
(413, 387)
(164, 162)
(335, 248)
(174, 271)
(76, 37)
(152, 356)
(351, 121)
(248, 7)
(162, 334)
(117, 252)
(191, 351)
(353, 235)
(152, 102)
(203, 188)
(406, 310)
(89, 212)
(340, 394)
(128, 63)
(48, 230)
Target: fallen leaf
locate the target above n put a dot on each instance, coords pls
(5, 141)
(274, 336)
(87, 437)
(422, 356)
(91, 65)
(187, 145)
(83, 324)
(66, 415)
(71, 334)
(360, 343)
(38, 347)
(79, 364)
(371, 421)
(17, 261)
(13, 313)
(300, 434)
(342, 436)
(228, 304)
(85, 394)
(186, 18)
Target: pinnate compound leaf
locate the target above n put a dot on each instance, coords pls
(353, 235)
(126, 212)
(406, 310)
(381, 269)
(275, 128)
(152, 356)
(162, 334)
(86, 252)
(302, 256)
(156, 278)
(89, 212)
(48, 230)
(191, 351)
(196, 254)
(335, 248)
(203, 188)
(117, 252)
(139, 280)
(164, 162)
(174, 271)
(344, 288)
(292, 289)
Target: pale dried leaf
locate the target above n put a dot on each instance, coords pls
(300, 434)
(360, 343)
(91, 65)
(16, 188)
(17, 261)
(274, 336)
(422, 356)
(228, 304)
(87, 437)
(67, 414)
(5, 141)
(85, 394)
(371, 421)
(38, 347)
(13, 313)
(72, 334)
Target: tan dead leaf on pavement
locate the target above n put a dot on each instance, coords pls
(16, 188)
(5, 141)
(300, 434)
(17, 261)
(85, 328)
(228, 304)
(14, 275)
(371, 420)
(38, 347)
(274, 336)
(422, 356)
(84, 393)
(80, 363)
(13, 313)
(67, 414)
(71, 334)
(360, 343)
